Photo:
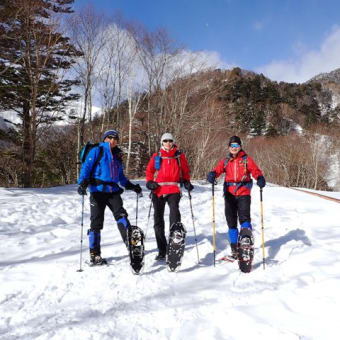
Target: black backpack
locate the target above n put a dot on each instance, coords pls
(85, 151)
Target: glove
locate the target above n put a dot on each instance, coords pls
(211, 177)
(152, 185)
(134, 187)
(137, 189)
(261, 182)
(82, 188)
(188, 185)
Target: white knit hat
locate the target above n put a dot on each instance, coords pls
(167, 136)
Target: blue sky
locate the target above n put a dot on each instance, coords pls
(289, 40)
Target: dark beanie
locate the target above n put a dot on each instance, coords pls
(235, 139)
(113, 133)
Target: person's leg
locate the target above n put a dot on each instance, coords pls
(159, 207)
(97, 208)
(230, 210)
(246, 235)
(173, 202)
(243, 209)
(115, 203)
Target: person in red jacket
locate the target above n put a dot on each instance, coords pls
(238, 167)
(165, 173)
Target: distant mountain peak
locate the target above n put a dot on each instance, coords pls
(333, 76)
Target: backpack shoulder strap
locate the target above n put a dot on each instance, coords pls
(96, 162)
(245, 162)
(226, 163)
(178, 156)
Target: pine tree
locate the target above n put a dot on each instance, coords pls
(34, 58)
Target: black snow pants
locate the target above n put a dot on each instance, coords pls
(236, 206)
(159, 224)
(98, 203)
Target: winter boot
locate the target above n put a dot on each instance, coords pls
(160, 257)
(97, 260)
(94, 241)
(234, 251)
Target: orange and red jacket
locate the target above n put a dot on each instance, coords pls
(169, 172)
(237, 171)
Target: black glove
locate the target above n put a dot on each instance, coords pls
(188, 185)
(211, 177)
(152, 185)
(261, 182)
(134, 187)
(82, 188)
(137, 189)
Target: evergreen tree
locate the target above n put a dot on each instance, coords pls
(34, 58)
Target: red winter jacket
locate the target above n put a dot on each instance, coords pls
(168, 172)
(236, 172)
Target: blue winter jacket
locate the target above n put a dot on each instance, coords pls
(109, 169)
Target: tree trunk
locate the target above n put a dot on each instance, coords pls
(27, 147)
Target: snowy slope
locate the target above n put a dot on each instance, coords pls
(43, 296)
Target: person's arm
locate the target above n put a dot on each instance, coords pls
(88, 165)
(256, 173)
(185, 168)
(219, 169)
(150, 169)
(253, 168)
(150, 173)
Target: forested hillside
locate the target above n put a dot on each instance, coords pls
(145, 85)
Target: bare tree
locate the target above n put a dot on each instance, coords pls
(87, 30)
(118, 58)
(155, 50)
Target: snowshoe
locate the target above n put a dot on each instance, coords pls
(245, 250)
(176, 246)
(136, 248)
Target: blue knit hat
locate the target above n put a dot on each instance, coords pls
(113, 133)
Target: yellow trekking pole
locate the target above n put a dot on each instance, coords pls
(213, 220)
(261, 205)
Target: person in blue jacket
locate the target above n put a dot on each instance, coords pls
(102, 171)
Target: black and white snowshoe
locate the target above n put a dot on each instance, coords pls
(136, 248)
(245, 250)
(176, 246)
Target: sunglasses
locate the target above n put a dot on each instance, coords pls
(234, 145)
(168, 141)
(112, 137)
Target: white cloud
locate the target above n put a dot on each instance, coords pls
(308, 63)
(196, 61)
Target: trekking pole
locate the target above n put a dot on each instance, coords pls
(147, 225)
(137, 196)
(81, 234)
(193, 223)
(213, 221)
(261, 205)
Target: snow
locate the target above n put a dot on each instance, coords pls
(43, 296)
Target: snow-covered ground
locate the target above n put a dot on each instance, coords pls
(42, 295)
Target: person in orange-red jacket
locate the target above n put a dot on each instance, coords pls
(238, 167)
(165, 173)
